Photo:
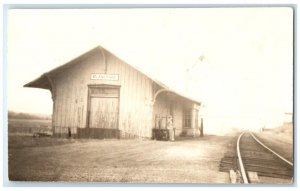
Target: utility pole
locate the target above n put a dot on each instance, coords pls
(188, 71)
(201, 128)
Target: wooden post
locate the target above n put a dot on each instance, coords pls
(201, 128)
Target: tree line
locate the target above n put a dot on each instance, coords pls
(20, 115)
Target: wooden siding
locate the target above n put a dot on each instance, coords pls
(103, 113)
(170, 104)
(178, 113)
(71, 95)
(103, 107)
(164, 105)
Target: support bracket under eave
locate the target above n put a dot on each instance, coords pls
(52, 86)
(158, 92)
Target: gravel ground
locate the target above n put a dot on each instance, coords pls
(141, 161)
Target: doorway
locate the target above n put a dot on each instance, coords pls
(102, 113)
(103, 107)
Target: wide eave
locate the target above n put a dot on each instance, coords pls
(41, 82)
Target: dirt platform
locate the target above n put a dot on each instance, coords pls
(193, 160)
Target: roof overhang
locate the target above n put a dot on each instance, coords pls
(41, 82)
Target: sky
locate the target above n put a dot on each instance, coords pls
(237, 61)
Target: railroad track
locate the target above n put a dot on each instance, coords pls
(252, 159)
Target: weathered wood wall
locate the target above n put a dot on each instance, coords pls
(136, 112)
(163, 106)
(71, 95)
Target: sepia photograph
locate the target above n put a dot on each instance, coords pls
(156, 95)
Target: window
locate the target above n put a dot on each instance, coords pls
(187, 119)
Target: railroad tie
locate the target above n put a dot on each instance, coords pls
(253, 177)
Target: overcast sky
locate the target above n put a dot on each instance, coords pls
(240, 59)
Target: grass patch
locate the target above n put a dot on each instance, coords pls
(29, 126)
(18, 141)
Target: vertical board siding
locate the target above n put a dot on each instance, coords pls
(162, 108)
(104, 113)
(178, 117)
(72, 95)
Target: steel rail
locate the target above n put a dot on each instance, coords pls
(279, 156)
(243, 172)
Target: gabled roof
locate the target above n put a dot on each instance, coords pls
(43, 81)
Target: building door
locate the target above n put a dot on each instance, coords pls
(103, 107)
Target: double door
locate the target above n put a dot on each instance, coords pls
(103, 107)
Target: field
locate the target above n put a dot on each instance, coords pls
(28, 126)
(192, 160)
(281, 138)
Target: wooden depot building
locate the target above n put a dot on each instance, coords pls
(97, 95)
